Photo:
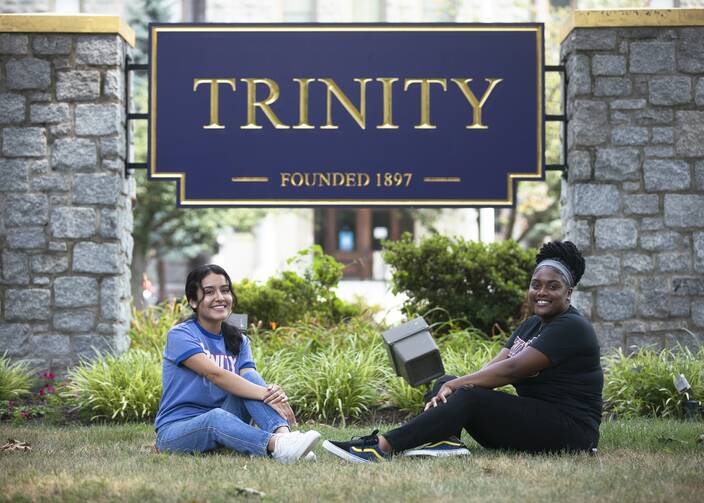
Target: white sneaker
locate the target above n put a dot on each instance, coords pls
(290, 447)
(310, 457)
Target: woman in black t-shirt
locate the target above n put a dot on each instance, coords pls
(553, 361)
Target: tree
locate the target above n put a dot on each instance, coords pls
(140, 14)
(160, 227)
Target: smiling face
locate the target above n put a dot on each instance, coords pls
(214, 302)
(548, 293)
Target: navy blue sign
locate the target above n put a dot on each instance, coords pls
(346, 115)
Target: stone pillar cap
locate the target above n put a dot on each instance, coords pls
(634, 18)
(66, 23)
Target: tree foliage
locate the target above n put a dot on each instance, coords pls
(290, 296)
(160, 227)
(468, 284)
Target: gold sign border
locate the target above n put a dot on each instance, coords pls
(181, 176)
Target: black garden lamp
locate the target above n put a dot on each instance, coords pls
(413, 352)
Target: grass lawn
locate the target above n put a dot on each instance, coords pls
(638, 460)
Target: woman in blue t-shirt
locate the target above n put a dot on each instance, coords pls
(552, 359)
(211, 388)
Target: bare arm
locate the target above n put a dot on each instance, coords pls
(276, 398)
(505, 371)
(233, 383)
(274, 393)
(502, 355)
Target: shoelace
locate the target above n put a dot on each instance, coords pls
(368, 439)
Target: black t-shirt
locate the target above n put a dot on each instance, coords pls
(574, 379)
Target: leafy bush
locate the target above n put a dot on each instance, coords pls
(400, 395)
(117, 388)
(339, 385)
(327, 372)
(15, 378)
(473, 284)
(642, 383)
(149, 326)
(331, 373)
(290, 297)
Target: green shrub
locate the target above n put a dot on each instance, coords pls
(338, 385)
(400, 395)
(149, 326)
(264, 304)
(291, 297)
(472, 284)
(117, 388)
(331, 373)
(328, 373)
(16, 378)
(642, 383)
(310, 335)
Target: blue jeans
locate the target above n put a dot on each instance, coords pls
(227, 426)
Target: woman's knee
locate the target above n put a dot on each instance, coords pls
(218, 418)
(470, 394)
(436, 386)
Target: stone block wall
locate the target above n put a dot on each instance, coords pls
(65, 204)
(634, 197)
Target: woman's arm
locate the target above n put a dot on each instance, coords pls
(507, 371)
(502, 355)
(233, 383)
(527, 363)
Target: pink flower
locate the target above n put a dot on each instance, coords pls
(41, 392)
(50, 388)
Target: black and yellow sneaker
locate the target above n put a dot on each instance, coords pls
(449, 447)
(358, 450)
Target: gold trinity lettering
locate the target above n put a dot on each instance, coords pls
(357, 113)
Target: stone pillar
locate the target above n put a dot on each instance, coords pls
(634, 198)
(65, 204)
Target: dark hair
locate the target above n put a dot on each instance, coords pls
(565, 252)
(231, 334)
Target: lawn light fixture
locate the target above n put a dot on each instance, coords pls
(692, 408)
(239, 321)
(413, 352)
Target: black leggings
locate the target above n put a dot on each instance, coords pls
(495, 420)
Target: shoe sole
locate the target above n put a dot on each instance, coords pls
(314, 439)
(343, 454)
(437, 454)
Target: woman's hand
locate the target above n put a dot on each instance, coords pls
(274, 394)
(284, 410)
(446, 390)
(277, 400)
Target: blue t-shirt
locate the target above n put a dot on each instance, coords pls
(184, 393)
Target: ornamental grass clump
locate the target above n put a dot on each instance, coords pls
(329, 373)
(117, 388)
(16, 378)
(149, 326)
(339, 385)
(642, 383)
